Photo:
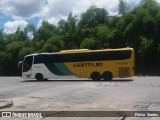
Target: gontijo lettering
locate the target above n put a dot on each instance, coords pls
(88, 64)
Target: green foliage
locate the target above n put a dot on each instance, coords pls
(25, 51)
(95, 29)
(115, 39)
(158, 55)
(149, 25)
(122, 7)
(53, 44)
(93, 16)
(102, 34)
(1, 40)
(14, 48)
(88, 43)
(30, 28)
(45, 31)
(145, 50)
(1, 36)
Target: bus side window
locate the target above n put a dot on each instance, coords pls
(39, 59)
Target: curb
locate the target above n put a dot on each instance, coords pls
(5, 104)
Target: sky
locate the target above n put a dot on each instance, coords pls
(20, 13)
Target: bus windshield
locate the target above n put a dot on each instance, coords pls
(27, 64)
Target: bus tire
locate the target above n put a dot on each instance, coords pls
(107, 76)
(39, 77)
(95, 76)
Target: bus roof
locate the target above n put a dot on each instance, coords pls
(88, 50)
(79, 51)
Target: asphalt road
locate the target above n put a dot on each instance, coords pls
(74, 94)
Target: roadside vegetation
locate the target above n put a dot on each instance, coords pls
(94, 29)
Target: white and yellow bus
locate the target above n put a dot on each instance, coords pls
(84, 63)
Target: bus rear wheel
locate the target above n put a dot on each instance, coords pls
(96, 76)
(39, 77)
(107, 76)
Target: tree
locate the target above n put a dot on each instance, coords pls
(45, 31)
(1, 35)
(88, 43)
(122, 7)
(146, 51)
(19, 35)
(30, 29)
(62, 26)
(14, 48)
(69, 37)
(25, 51)
(102, 32)
(1, 40)
(53, 44)
(71, 23)
(115, 39)
(149, 25)
(93, 16)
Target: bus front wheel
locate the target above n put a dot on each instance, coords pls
(39, 77)
(95, 76)
(107, 76)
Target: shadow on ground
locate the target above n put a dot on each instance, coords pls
(79, 80)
